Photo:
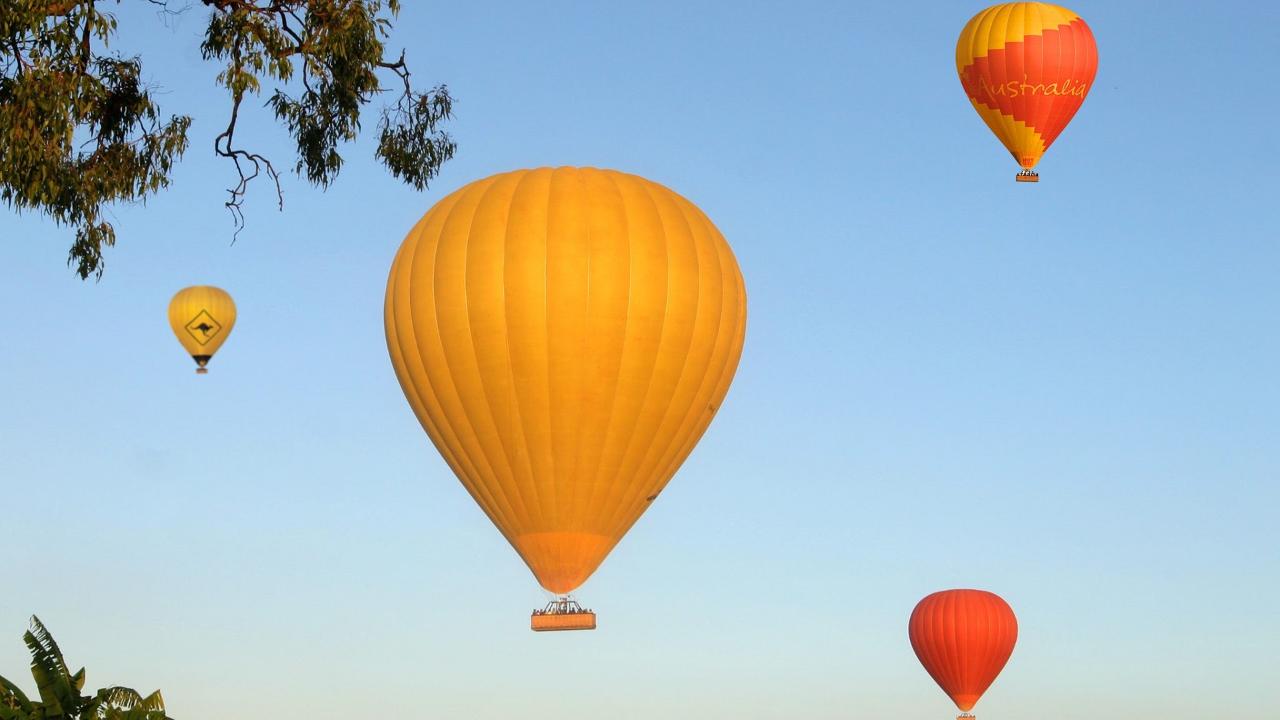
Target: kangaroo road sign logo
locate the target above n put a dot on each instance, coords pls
(203, 327)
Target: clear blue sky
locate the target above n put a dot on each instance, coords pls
(1065, 393)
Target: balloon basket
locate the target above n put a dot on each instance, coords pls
(562, 614)
(202, 371)
(1026, 176)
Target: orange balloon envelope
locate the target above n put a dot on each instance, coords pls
(565, 337)
(1026, 67)
(963, 638)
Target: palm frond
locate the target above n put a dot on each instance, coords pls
(49, 669)
(121, 698)
(153, 702)
(121, 703)
(13, 696)
(42, 645)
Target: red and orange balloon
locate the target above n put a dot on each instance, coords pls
(1026, 67)
(963, 638)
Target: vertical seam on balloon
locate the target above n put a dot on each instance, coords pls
(610, 512)
(985, 31)
(404, 263)
(502, 442)
(711, 379)
(544, 201)
(1024, 104)
(937, 627)
(964, 639)
(1043, 122)
(1006, 118)
(953, 636)
(713, 386)
(487, 475)
(1085, 56)
(410, 354)
(465, 420)
(547, 320)
(593, 476)
(996, 632)
(1033, 104)
(933, 627)
(937, 643)
(1001, 128)
(938, 613)
(581, 176)
(1061, 110)
(523, 445)
(616, 180)
(1000, 634)
(569, 181)
(617, 517)
(916, 626)
(1074, 32)
(649, 467)
(983, 677)
(472, 475)
(942, 652)
(976, 670)
(1047, 122)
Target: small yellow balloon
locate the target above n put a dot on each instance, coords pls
(202, 317)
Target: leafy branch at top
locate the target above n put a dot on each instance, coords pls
(80, 131)
(334, 50)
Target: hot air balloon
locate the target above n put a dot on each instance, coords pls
(963, 638)
(565, 337)
(1026, 67)
(202, 318)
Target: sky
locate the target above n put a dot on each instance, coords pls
(1065, 393)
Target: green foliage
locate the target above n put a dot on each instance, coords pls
(78, 130)
(60, 690)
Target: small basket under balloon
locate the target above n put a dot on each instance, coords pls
(562, 614)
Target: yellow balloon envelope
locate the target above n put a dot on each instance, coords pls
(565, 336)
(202, 318)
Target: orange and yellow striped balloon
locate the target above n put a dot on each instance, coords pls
(1026, 67)
(565, 337)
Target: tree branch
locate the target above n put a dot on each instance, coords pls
(222, 145)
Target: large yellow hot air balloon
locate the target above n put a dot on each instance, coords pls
(202, 318)
(565, 337)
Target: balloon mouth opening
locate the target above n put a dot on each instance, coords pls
(562, 560)
(201, 360)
